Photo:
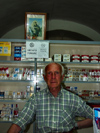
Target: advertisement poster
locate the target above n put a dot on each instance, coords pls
(37, 49)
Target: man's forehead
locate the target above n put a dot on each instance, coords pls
(52, 66)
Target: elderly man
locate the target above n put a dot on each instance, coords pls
(55, 108)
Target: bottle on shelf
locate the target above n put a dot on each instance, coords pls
(76, 91)
(16, 110)
(37, 88)
(11, 115)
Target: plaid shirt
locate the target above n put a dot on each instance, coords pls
(53, 114)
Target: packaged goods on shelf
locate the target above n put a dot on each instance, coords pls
(84, 60)
(40, 59)
(76, 60)
(94, 56)
(10, 96)
(4, 73)
(5, 48)
(1, 94)
(72, 89)
(94, 60)
(84, 56)
(17, 94)
(48, 59)
(23, 53)
(20, 54)
(77, 74)
(66, 57)
(39, 75)
(57, 57)
(28, 88)
(76, 56)
(37, 88)
(16, 74)
(17, 53)
(16, 111)
(6, 94)
(85, 94)
(9, 112)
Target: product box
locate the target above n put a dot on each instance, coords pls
(94, 60)
(57, 57)
(23, 53)
(84, 60)
(5, 48)
(94, 56)
(48, 59)
(66, 57)
(17, 53)
(76, 60)
(84, 56)
(75, 56)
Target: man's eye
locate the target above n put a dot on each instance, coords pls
(49, 73)
(57, 72)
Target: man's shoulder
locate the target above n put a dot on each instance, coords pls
(67, 92)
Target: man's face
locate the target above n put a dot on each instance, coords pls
(53, 76)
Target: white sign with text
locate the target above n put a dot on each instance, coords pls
(37, 49)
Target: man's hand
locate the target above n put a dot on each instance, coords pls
(14, 129)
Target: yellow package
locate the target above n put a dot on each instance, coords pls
(5, 48)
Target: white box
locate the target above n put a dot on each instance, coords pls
(66, 57)
(39, 59)
(57, 57)
(48, 59)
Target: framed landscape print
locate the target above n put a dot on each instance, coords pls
(35, 25)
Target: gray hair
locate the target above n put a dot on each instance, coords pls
(62, 68)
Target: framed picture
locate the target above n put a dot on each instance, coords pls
(35, 25)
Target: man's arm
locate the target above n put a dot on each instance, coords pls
(14, 129)
(85, 123)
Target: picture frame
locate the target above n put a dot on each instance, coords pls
(35, 25)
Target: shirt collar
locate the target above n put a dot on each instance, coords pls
(49, 93)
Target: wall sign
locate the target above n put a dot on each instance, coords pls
(37, 49)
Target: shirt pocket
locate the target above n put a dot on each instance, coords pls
(66, 117)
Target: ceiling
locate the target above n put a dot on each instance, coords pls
(85, 12)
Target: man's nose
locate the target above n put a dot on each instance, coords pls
(53, 75)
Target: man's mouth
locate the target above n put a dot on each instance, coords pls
(53, 81)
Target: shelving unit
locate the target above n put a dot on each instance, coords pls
(56, 47)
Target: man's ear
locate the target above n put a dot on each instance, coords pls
(44, 77)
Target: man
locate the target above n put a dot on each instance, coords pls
(55, 108)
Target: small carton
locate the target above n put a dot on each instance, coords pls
(57, 57)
